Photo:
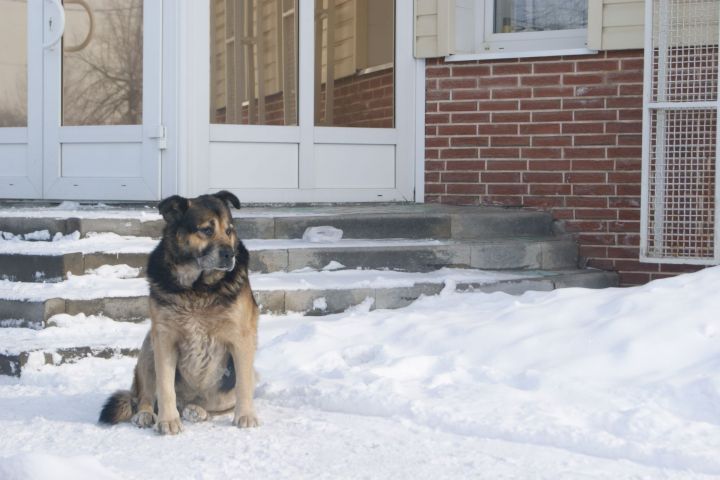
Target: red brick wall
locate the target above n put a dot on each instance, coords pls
(561, 134)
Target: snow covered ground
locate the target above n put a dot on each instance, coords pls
(570, 384)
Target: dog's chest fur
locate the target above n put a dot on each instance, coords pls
(202, 356)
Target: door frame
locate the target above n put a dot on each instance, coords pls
(197, 132)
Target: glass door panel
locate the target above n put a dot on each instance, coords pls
(102, 62)
(355, 63)
(254, 62)
(13, 63)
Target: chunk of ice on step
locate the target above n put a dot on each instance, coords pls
(333, 265)
(323, 234)
(59, 237)
(38, 235)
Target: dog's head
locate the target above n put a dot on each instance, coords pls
(201, 229)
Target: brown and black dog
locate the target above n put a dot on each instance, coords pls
(198, 356)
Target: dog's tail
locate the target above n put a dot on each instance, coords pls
(118, 408)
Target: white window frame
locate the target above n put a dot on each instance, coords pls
(475, 21)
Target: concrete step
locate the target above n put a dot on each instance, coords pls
(552, 253)
(324, 293)
(84, 335)
(374, 221)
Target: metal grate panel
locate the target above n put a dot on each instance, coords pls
(679, 221)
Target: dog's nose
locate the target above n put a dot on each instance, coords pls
(226, 253)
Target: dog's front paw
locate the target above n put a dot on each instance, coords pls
(171, 426)
(246, 420)
(144, 419)
(194, 413)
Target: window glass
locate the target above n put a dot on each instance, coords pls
(513, 16)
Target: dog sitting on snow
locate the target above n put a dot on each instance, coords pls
(198, 356)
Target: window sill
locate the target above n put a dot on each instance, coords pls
(463, 57)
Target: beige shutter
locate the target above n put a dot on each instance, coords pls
(615, 24)
(434, 28)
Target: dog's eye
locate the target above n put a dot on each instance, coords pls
(229, 231)
(206, 231)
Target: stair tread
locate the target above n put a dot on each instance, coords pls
(108, 282)
(149, 213)
(111, 243)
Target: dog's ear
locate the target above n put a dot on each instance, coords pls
(229, 198)
(173, 208)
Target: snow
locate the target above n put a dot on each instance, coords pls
(80, 287)
(569, 384)
(309, 279)
(71, 243)
(68, 331)
(66, 210)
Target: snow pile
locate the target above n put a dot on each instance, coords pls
(575, 383)
(631, 374)
(68, 331)
(106, 283)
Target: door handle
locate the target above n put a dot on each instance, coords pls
(91, 29)
(56, 24)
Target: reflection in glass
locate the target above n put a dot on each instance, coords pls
(253, 62)
(539, 15)
(356, 86)
(102, 62)
(13, 63)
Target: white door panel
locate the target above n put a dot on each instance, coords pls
(253, 165)
(355, 166)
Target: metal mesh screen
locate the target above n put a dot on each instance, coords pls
(681, 223)
(680, 154)
(685, 60)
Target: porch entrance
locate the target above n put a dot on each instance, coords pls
(306, 101)
(80, 102)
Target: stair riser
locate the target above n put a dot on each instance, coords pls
(431, 225)
(555, 254)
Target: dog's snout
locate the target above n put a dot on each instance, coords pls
(226, 253)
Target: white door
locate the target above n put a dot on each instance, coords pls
(308, 100)
(93, 128)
